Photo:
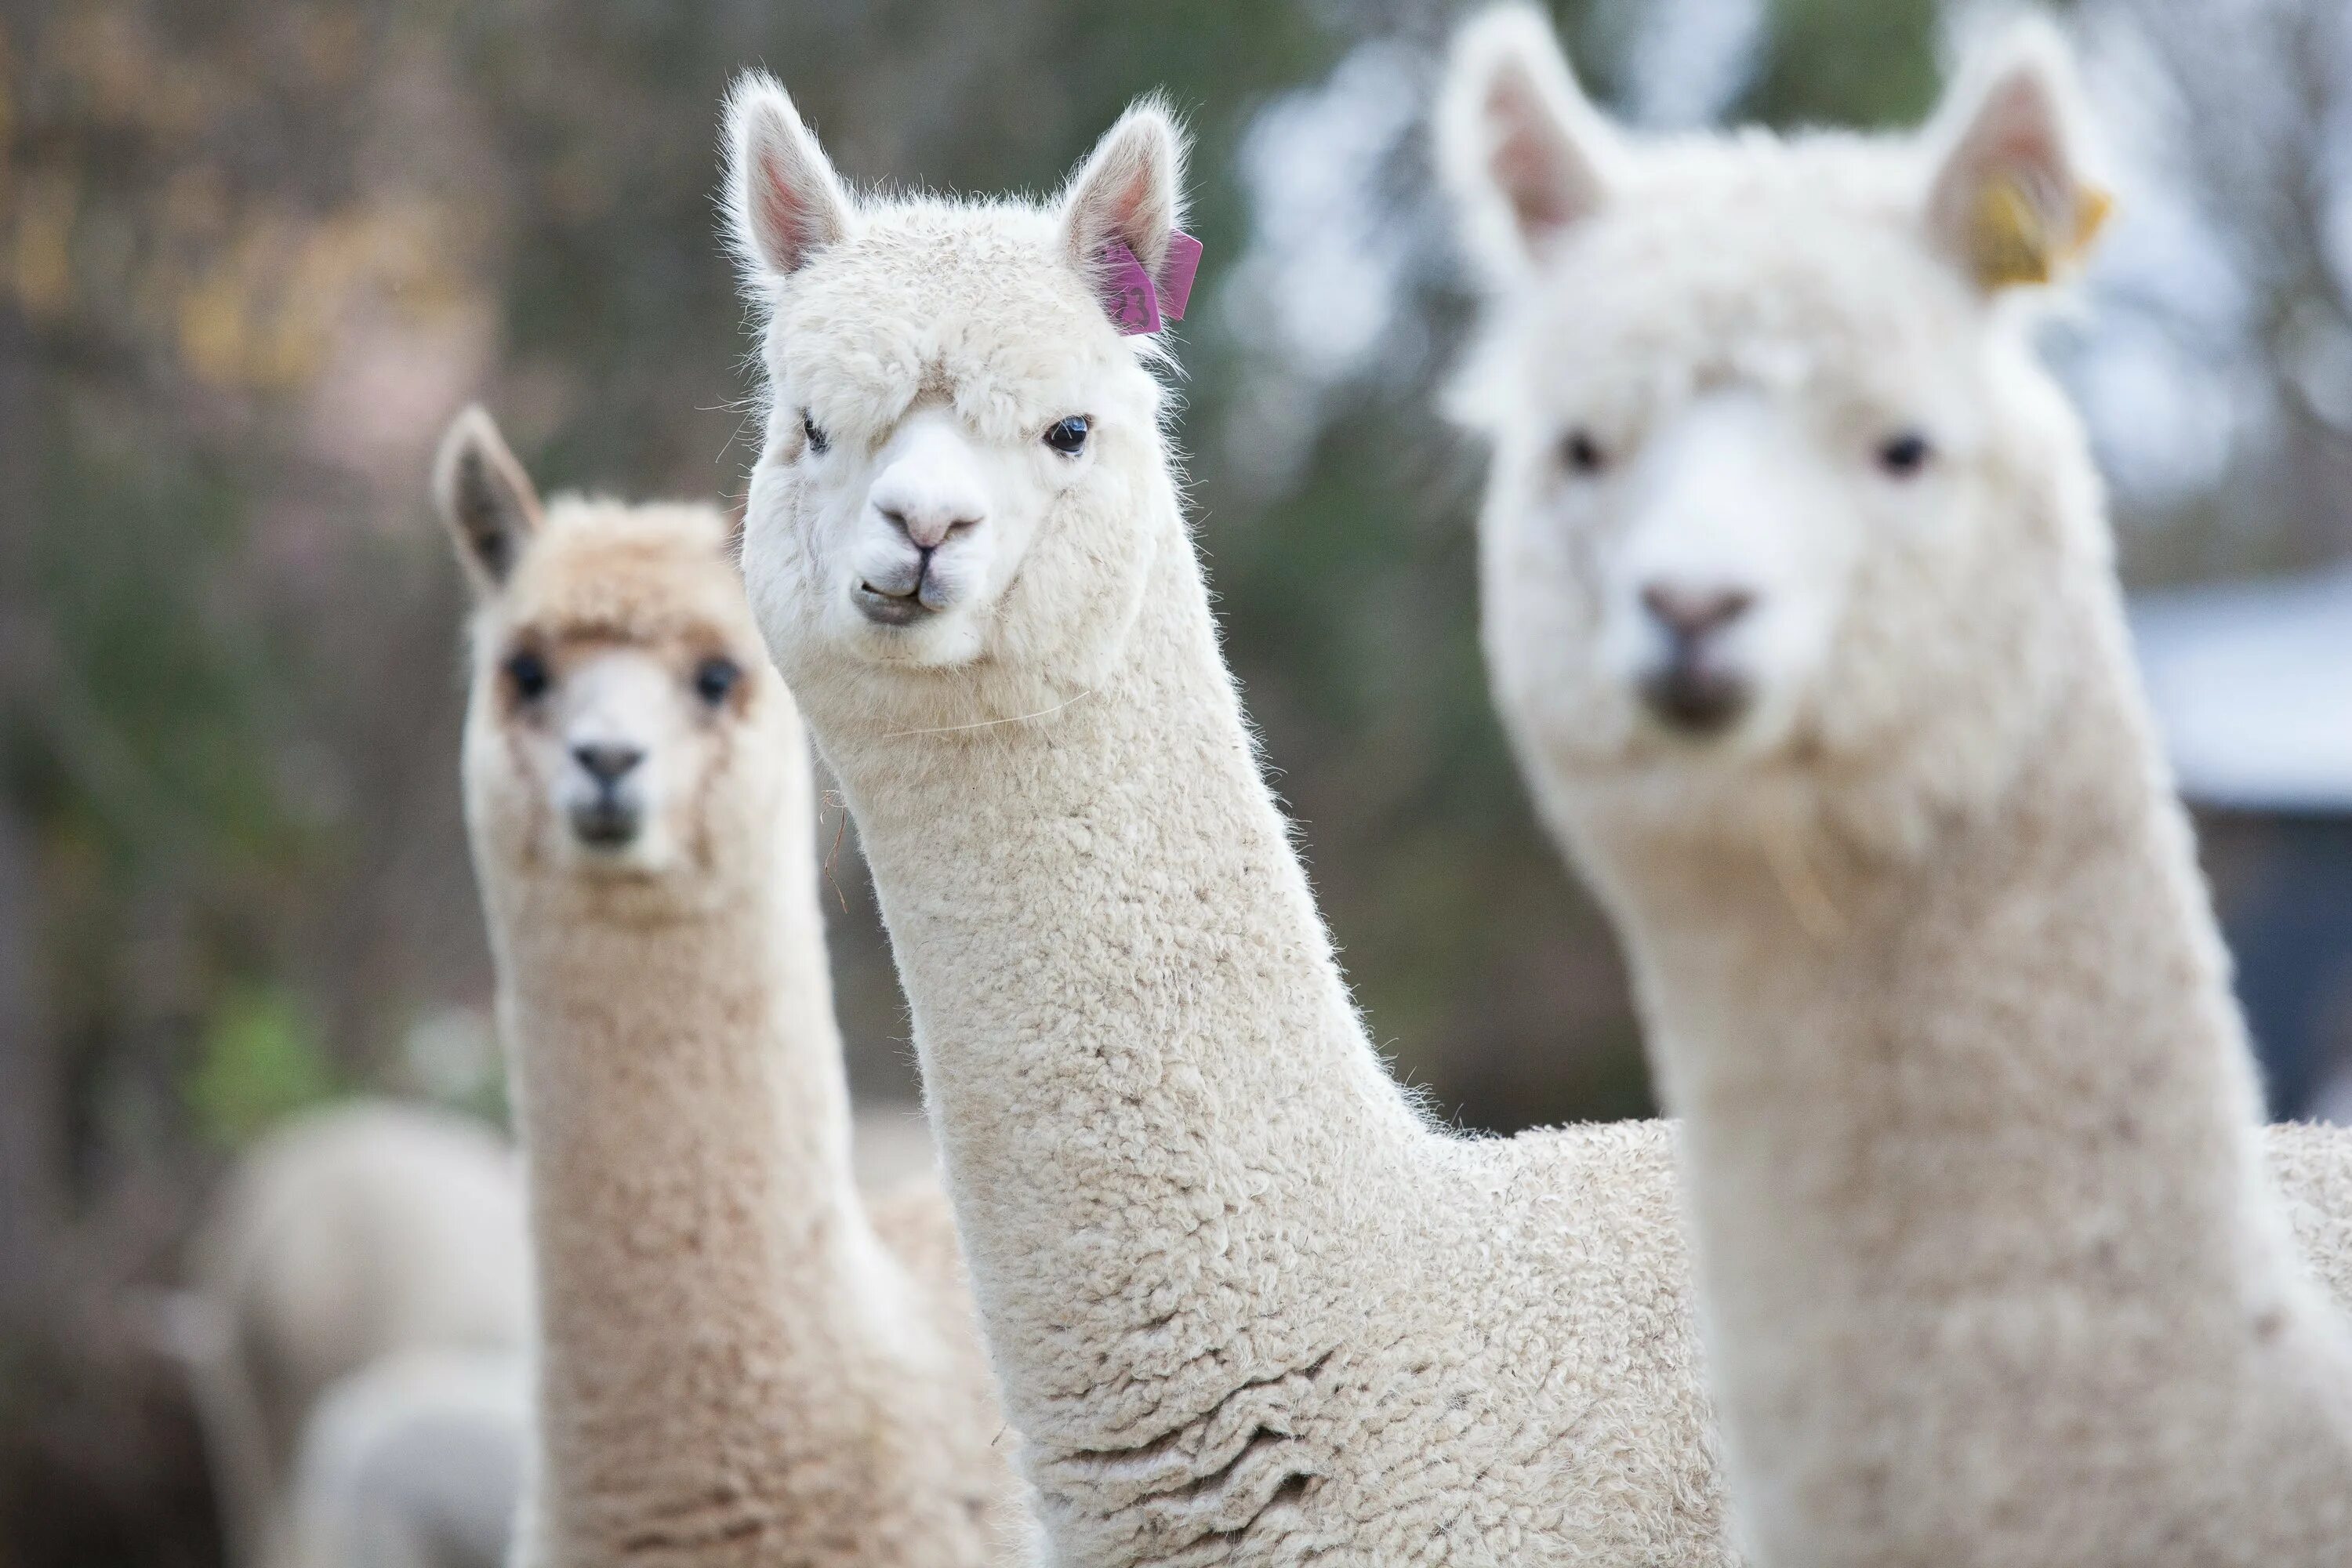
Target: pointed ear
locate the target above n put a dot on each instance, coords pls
(1131, 189)
(486, 498)
(2007, 197)
(784, 203)
(1525, 154)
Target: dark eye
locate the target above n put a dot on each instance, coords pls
(714, 678)
(816, 438)
(1069, 436)
(529, 673)
(1905, 454)
(1581, 453)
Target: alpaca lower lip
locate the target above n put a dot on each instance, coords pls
(890, 609)
(605, 825)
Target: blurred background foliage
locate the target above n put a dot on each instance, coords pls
(254, 253)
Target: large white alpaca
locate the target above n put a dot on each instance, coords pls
(1799, 606)
(362, 1231)
(736, 1363)
(1245, 1305)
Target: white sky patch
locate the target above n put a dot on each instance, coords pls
(2160, 368)
(1691, 59)
(2159, 361)
(1321, 276)
(2164, 424)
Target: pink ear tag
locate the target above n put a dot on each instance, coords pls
(1134, 302)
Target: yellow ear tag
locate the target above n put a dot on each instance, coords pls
(2093, 207)
(2013, 242)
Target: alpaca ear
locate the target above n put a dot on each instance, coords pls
(1129, 189)
(485, 498)
(784, 203)
(2009, 200)
(1525, 154)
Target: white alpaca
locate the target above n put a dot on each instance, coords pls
(1244, 1303)
(347, 1236)
(736, 1363)
(414, 1461)
(1799, 604)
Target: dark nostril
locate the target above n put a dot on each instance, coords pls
(896, 520)
(1689, 614)
(606, 763)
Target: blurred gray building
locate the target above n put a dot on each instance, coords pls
(2253, 689)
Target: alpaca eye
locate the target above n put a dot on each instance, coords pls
(1068, 436)
(1905, 454)
(817, 440)
(714, 678)
(1581, 453)
(529, 673)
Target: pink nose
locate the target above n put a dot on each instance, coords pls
(930, 491)
(1690, 615)
(930, 525)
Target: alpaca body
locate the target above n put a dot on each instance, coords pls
(351, 1234)
(736, 1363)
(414, 1461)
(1799, 599)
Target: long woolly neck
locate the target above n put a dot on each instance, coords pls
(698, 1243)
(1991, 1104)
(1140, 1057)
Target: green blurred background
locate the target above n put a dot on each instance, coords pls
(253, 254)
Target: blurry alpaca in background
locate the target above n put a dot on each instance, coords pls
(348, 1237)
(1799, 603)
(737, 1360)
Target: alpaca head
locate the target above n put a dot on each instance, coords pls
(625, 731)
(1777, 489)
(962, 483)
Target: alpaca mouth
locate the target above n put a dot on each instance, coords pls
(605, 824)
(885, 608)
(1693, 698)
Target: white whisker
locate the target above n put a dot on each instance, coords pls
(989, 723)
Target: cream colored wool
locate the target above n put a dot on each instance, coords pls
(1991, 1272)
(1244, 1303)
(737, 1363)
(360, 1231)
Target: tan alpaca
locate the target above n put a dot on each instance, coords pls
(737, 1363)
(1799, 600)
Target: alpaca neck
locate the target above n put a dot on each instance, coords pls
(1136, 1042)
(698, 1243)
(1967, 1041)
(2002, 1095)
